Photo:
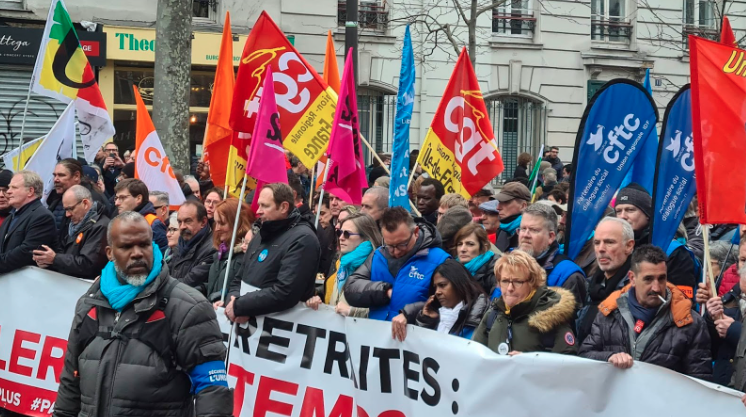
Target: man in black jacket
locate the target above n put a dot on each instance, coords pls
(28, 226)
(281, 260)
(651, 321)
(142, 343)
(83, 246)
(67, 173)
(194, 253)
(634, 204)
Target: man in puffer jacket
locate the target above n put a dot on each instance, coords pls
(141, 343)
(400, 272)
(666, 333)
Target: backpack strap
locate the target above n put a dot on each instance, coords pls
(491, 319)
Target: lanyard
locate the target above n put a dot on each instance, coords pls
(510, 333)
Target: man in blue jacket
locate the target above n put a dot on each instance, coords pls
(400, 271)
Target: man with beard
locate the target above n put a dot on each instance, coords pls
(502, 217)
(5, 208)
(194, 254)
(650, 321)
(634, 204)
(537, 236)
(69, 172)
(613, 243)
(141, 342)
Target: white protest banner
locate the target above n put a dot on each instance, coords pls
(305, 363)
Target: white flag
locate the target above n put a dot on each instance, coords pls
(10, 159)
(56, 146)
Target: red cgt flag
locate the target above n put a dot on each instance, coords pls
(727, 37)
(719, 122)
(460, 149)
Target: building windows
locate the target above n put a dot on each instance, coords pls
(699, 19)
(371, 16)
(518, 124)
(377, 112)
(204, 11)
(609, 21)
(514, 17)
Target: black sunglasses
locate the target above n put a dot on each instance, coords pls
(346, 233)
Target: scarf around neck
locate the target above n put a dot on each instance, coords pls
(75, 228)
(186, 245)
(119, 294)
(511, 226)
(351, 261)
(476, 263)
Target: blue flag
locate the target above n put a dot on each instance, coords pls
(674, 185)
(642, 170)
(615, 122)
(404, 104)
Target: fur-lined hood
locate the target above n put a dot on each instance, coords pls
(548, 309)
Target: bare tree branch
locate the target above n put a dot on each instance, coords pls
(489, 7)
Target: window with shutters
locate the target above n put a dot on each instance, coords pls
(12, 5)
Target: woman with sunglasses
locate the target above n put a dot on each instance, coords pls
(528, 316)
(474, 250)
(358, 239)
(455, 307)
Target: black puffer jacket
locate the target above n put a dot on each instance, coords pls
(193, 267)
(142, 374)
(467, 321)
(83, 255)
(676, 339)
(282, 260)
(485, 275)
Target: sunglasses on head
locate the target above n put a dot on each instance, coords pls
(346, 234)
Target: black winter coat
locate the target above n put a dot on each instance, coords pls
(599, 289)
(193, 267)
(32, 226)
(724, 349)
(676, 339)
(485, 275)
(281, 260)
(216, 275)
(84, 254)
(521, 172)
(54, 204)
(142, 372)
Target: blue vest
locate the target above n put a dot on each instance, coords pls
(411, 284)
(557, 276)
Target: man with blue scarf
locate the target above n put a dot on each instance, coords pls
(399, 273)
(142, 343)
(502, 217)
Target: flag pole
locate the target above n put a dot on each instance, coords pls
(313, 184)
(385, 168)
(321, 193)
(706, 269)
(20, 164)
(536, 177)
(233, 241)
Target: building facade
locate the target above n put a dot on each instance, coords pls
(538, 61)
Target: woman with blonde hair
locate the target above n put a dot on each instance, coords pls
(527, 316)
(225, 218)
(358, 239)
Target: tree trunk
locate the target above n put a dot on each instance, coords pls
(472, 25)
(173, 67)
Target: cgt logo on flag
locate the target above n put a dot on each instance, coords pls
(152, 156)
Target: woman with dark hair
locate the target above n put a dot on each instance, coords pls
(225, 218)
(213, 196)
(521, 170)
(456, 306)
(474, 250)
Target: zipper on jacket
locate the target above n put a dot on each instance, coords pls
(116, 317)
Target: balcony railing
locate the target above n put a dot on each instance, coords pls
(514, 22)
(701, 31)
(371, 15)
(610, 30)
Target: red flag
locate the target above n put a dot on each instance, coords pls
(718, 118)
(727, 37)
(267, 156)
(347, 170)
(460, 149)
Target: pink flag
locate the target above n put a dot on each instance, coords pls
(347, 172)
(267, 156)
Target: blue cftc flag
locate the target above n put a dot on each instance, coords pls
(404, 104)
(675, 185)
(614, 124)
(642, 170)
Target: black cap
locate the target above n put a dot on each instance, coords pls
(5, 177)
(638, 196)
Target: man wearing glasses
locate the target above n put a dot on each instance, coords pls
(111, 166)
(132, 195)
(400, 271)
(83, 253)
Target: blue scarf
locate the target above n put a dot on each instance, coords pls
(476, 263)
(120, 295)
(351, 261)
(73, 229)
(511, 227)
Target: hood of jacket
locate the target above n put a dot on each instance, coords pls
(681, 307)
(547, 310)
(145, 209)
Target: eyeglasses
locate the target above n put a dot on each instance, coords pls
(3, 190)
(517, 283)
(158, 207)
(400, 246)
(172, 230)
(70, 209)
(346, 234)
(529, 230)
(122, 197)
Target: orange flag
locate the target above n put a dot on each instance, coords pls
(218, 133)
(331, 76)
(152, 165)
(727, 37)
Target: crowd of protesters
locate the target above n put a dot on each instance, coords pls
(491, 268)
